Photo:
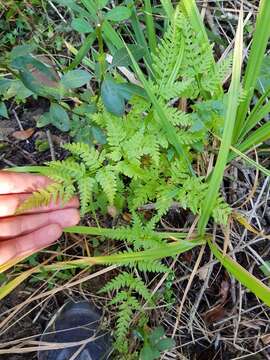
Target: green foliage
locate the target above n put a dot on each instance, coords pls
(126, 286)
(155, 343)
(143, 147)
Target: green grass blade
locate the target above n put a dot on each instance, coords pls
(150, 26)
(255, 116)
(171, 134)
(11, 285)
(260, 40)
(116, 233)
(230, 116)
(112, 39)
(128, 258)
(242, 275)
(256, 138)
(139, 35)
(83, 52)
(249, 161)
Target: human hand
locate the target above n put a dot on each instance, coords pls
(24, 234)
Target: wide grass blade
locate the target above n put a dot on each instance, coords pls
(172, 249)
(230, 117)
(139, 35)
(260, 41)
(118, 233)
(256, 138)
(258, 113)
(11, 285)
(242, 275)
(150, 26)
(83, 52)
(171, 134)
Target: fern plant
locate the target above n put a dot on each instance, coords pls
(127, 287)
(138, 166)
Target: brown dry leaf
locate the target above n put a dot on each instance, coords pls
(266, 339)
(216, 313)
(127, 217)
(23, 134)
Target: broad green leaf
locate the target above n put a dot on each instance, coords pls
(75, 79)
(242, 275)
(127, 90)
(27, 63)
(122, 58)
(71, 4)
(4, 85)
(37, 76)
(118, 13)
(3, 110)
(85, 109)
(22, 50)
(17, 90)
(113, 101)
(44, 120)
(81, 25)
(230, 117)
(59, 117)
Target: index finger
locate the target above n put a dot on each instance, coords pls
(13, 183)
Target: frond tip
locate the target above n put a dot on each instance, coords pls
(44, 197)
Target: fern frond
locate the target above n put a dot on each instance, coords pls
(178, 89)
(43, 197)
(178, 117)
(85, 186)
(154, 266)
(91, 157)
(107, 180)
(126, 280)
(221, 211)
(125, 312)
(68, 168)
(224, 67)
(167, 58)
